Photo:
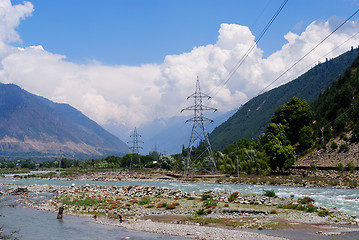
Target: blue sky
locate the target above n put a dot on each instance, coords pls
(133, 32)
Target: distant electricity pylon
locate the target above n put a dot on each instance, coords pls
(134, 149)
(199, 136)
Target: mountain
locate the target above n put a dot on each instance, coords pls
(32, 126)
(253, 117)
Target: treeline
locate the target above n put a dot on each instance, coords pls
(152, 160)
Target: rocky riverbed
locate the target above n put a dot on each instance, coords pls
(209, 215)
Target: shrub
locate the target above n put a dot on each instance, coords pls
(344, 147)
(305, 200)
(334, 145)
(201, 212)
(191, 198)
(171, 206)
(233, 196)
(273, 211)
(144, 201)
(269, 193)
(161, 205)
(350, 167)
(209, 204)
(313, 167)
(310, 208)
(206, 196)
(323, 213)
(340, 167)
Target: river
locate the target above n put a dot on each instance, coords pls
(345, 200)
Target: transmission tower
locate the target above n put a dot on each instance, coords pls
(199, 136)
(134, 149)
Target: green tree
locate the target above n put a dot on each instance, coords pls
(294, 115)
(66, 163)
(166, 161)
(305, 138)
(277, 147)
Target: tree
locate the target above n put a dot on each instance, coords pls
(166, 161)
(293, 115)
(66, 163)
(277, 147)
(305, 138)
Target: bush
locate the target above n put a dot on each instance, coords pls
(310, 208)
(350, 167)
(323, 213)
(144, 201)
(201, 211)
(269, 193)
(209, 204)
(344, 147)
(306, 200)
(205, 196)
(334, 145)
(233, 196)
(340, 167)
(313, 167)
(161, 205)
(273, 211)
(171, 206)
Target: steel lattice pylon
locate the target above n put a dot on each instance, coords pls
(135, 146)
(199, 135)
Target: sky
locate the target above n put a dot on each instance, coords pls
(130, 62)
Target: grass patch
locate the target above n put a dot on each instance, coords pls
(144, 201)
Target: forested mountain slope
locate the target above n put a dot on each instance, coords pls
(253, 117)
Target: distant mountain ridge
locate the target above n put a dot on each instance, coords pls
(32, 126)
(253, 117)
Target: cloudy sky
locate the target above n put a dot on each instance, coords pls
(131, 62)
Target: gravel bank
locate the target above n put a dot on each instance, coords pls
(190, 231)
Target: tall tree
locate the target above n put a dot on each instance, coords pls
(293, 115)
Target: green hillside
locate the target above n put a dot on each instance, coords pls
(337, 108)
(253, 117)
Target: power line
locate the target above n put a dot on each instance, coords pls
(240, 62)
(308, 66)
(308, 52)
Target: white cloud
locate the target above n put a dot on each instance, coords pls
(10, 18)
(135, 95)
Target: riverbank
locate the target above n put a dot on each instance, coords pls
(208, 215)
